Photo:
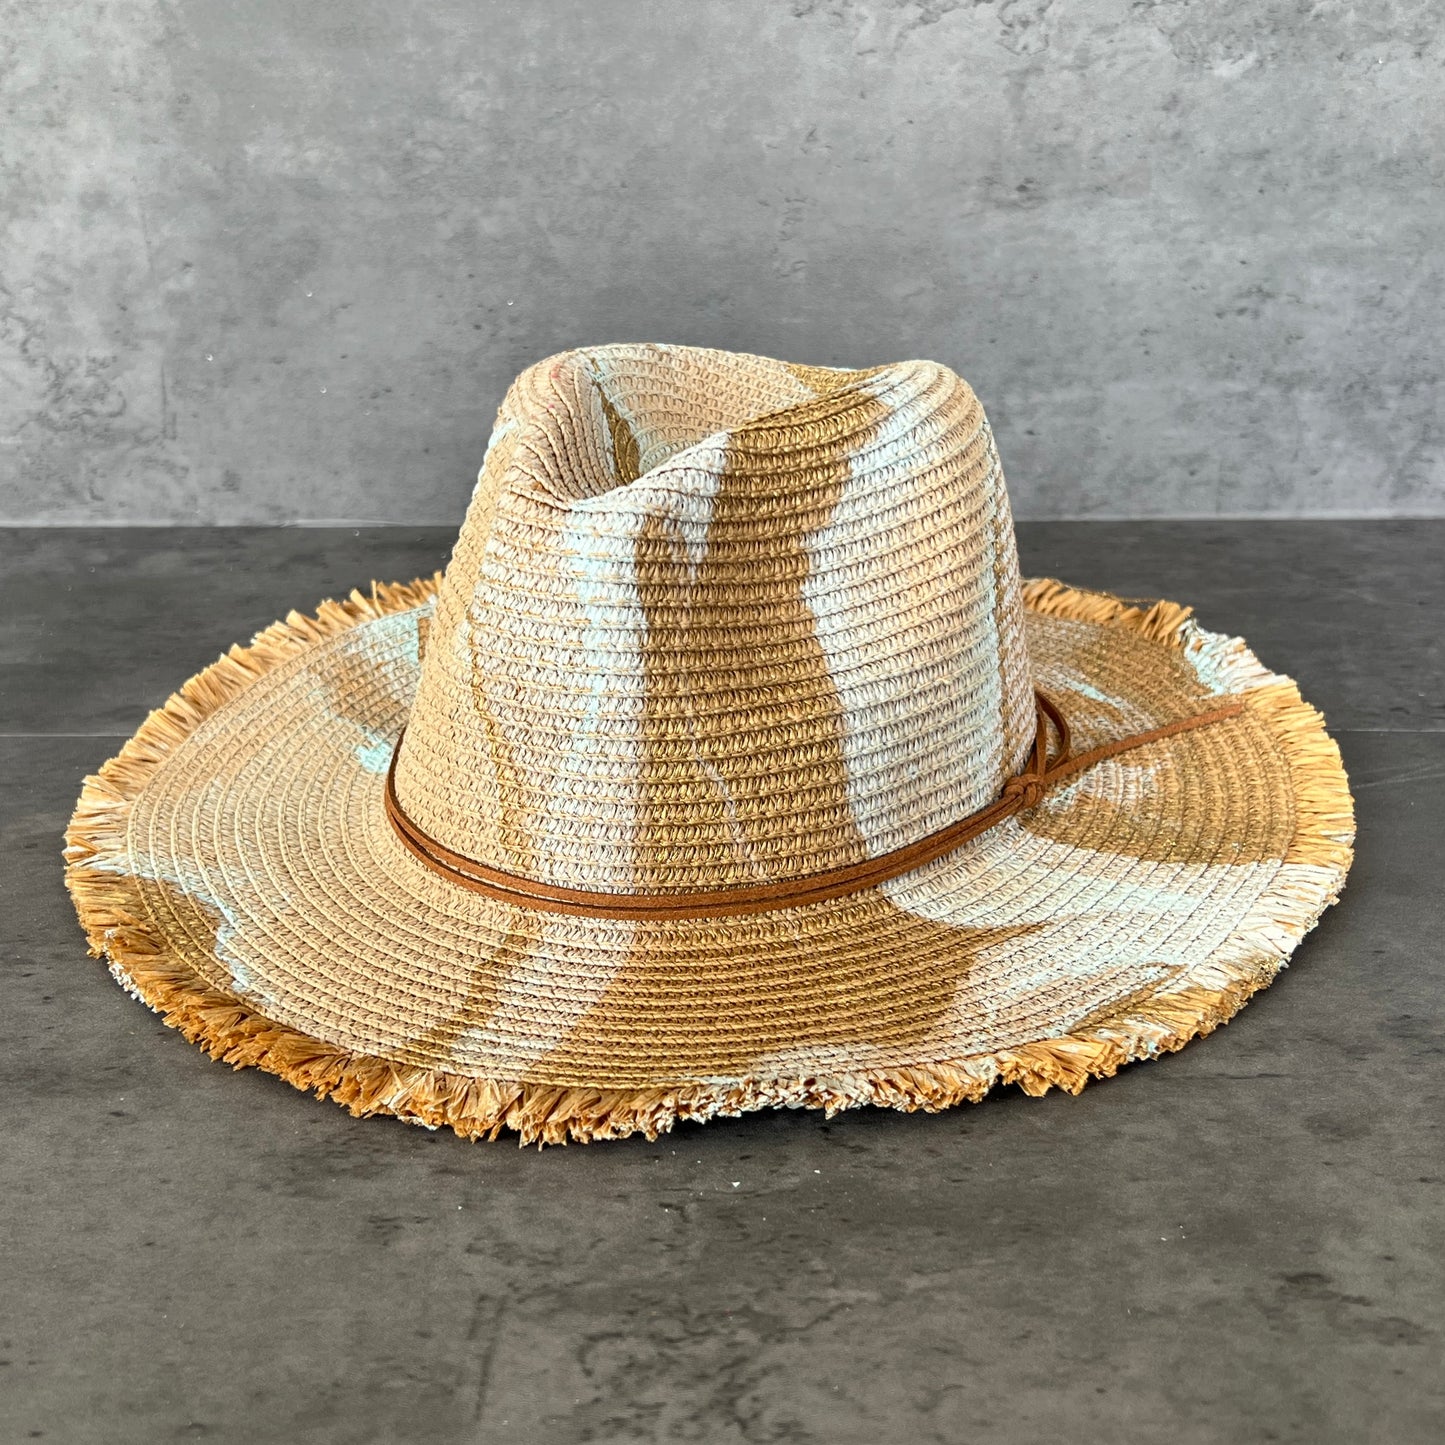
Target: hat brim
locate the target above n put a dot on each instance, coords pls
(235, 865)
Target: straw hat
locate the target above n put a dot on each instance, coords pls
(729, 764)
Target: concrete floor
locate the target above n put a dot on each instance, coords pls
(1241, 1242)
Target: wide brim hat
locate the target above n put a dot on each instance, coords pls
(730, 764)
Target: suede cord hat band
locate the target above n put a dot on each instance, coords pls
(1023, 790)
(727, 784)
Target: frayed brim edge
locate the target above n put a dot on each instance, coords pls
(118, 926)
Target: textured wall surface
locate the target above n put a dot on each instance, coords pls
(275, 262)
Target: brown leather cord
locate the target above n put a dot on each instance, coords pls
(1020, 792)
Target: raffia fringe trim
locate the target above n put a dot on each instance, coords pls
(117, 924)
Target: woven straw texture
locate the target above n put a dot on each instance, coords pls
(711, 619)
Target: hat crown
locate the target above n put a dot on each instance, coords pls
(715, 619)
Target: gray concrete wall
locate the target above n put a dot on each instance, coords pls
(270, 261)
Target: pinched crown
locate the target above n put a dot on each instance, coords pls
(714, 619)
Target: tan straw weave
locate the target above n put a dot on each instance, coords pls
(712, 622)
